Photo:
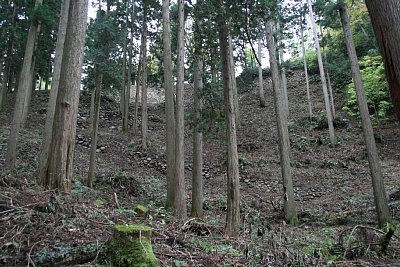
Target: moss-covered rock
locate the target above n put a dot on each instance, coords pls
(141, 210)
(131, 247)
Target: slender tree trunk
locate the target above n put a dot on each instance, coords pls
(137, 97)
(123, 84)
(46, 82)
(32, 76)
(381, 203)
(232, 225)
(93, 145)
(25, 88)
(323, 79)
(129, 85)
(180, 200)
(40, 83)
(385, 19)
(91, 110)
(197, 179)
(123, 89)
(169, 107)
(128, 88)
(6, 75)
(138, 87)
(235, 92)
(328, 78)
(303, 47)
(261, 95)
(283, 70)
(8, 63)
(283, 133)
(48, 70)
(124, 102)
(144, 84)
(51, 106)
(60, 160)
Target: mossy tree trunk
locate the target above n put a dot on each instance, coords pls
(130, 246)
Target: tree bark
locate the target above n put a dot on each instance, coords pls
(8, 60)
(232, 225)
(381, 203)
(303, 47)
(91, 110)
(385, 17)
(180, 201)
(235, 91)
(31, 75)
(283, 70)
(51, 106)
(169, 107)
(93, 144)
(24, 89)
(124, 102)
(137, 97)
(197, 179)
(60, 160)
(128, 86)
(261, 95)
(328, 78)
(323, 78)
(144, 127)
(282, 125)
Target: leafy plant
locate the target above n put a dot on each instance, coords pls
(179, 263)
(375, 87)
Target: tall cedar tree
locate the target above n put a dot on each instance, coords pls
(282, 125)
(303, 49)
(169, 106)
(143, 75)
(180, 201)
(8, 61)
(124, 85)
(232, 225)
(197, 178)
(60, 161)
(235, 91)
(51, 106)
(381, 203)
(24, 90)
(323, 79)
(385, 18)
(261, 95)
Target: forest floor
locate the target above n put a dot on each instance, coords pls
(332, 188)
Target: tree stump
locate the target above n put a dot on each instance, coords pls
(131, 246)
